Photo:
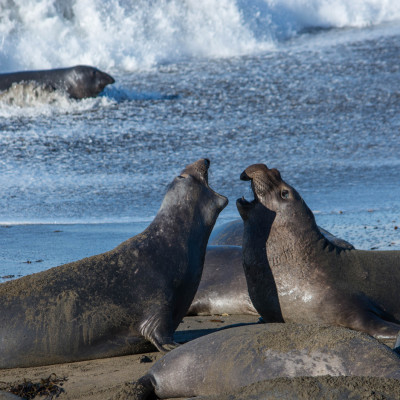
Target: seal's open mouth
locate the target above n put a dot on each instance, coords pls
(245, 204)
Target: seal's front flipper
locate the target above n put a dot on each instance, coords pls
(165, 347)
(375, 326)
(158, 330)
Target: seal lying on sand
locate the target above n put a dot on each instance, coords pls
(236, 357)
(311, 387)
(223, 286)
(106, 305)
(315, 280)
(79, 82)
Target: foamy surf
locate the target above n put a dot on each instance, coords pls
(125, 36)
(29, 99)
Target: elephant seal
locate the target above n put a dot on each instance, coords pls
(109, 304)
(223, 286)
(79, 82)
(314, 280)
(236, 357)
(231, 233)
(311, 387)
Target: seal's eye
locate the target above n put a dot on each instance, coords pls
(285, 194)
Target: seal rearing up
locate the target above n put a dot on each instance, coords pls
(313, 280)
(107, 305)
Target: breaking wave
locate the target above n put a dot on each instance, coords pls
(127, 36)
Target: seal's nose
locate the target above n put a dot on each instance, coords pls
(109, 79)
(207, 163)
(244, 176)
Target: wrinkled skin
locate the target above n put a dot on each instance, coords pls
(223, 286)
(236, 357)
(315, 280)
(231, 234)
(79, 82)
(111, 304)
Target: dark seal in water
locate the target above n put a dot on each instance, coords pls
(79, 82)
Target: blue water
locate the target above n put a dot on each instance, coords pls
(309, 87)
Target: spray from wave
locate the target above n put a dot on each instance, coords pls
(29, 99)
(127, 36)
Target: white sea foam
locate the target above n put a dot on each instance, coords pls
(124, 35)
(29, 99)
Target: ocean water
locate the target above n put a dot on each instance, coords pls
(311, 87)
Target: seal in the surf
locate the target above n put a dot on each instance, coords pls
(315, 280)
(108, 304)
(236, 357)
(223, 286)
(78, 82)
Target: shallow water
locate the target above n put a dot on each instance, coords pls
(321, 105)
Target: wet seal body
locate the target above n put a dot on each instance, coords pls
(236, 357)
(314, 280)
(223, 286)
(107, 305)
(79, 82)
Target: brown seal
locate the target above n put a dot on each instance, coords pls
(314, 280)
(223, 286)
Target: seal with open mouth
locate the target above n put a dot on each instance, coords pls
(107, 305)
(311, 279)
(223, 287)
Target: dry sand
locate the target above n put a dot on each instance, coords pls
(101, 379)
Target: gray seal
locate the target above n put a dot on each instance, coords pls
(314, 280)
(109, 304)
(315, 387)
(79, 82)
(223, 286)
(236, 357)
(231, 233)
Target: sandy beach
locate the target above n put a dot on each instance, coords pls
(101, 379)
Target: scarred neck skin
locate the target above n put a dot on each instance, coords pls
(293, 238)
(194, 211)
(260, 280)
